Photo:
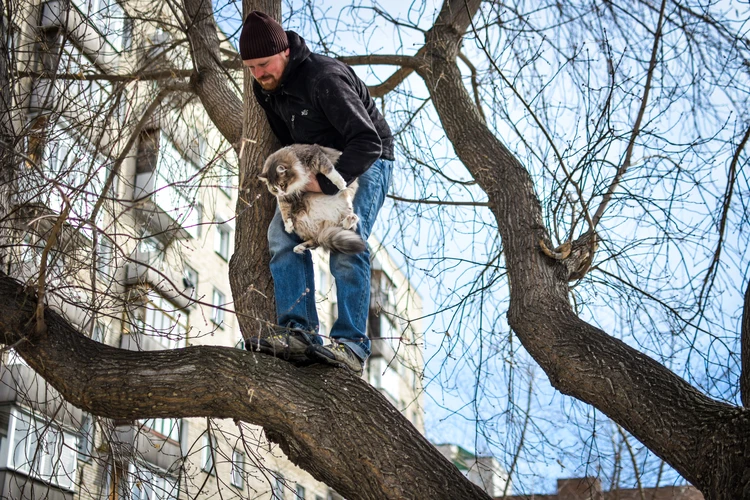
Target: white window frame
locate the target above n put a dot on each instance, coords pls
(279, 486)
(218, 300)
(300, 492)
(207, 456)
(164, 322)
(86, 437)
(54, 462)
(168, 427)
(223, 239)
(237, 475)
(148, 482)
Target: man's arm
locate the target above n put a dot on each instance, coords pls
(337, 97)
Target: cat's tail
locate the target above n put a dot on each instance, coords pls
(338, 239)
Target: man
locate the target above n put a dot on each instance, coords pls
(314, 99)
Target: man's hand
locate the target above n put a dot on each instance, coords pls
(313, 186)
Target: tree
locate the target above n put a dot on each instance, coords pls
(699, 433)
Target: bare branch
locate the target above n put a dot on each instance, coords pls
(637, 125)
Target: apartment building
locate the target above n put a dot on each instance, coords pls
(483, 470)
(590, 488)
(141, 263)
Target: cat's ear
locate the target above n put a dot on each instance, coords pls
(263, 178)
(280, 169)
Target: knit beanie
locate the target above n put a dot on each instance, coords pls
(261, 36)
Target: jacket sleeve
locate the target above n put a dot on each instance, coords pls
(337, 95)
(278, 127)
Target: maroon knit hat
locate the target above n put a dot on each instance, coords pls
(261, 36)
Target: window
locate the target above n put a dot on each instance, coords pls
(167, 427)
(221, 239)
(69, 162)
(207, 456)
(167, 178)
(190, 281)
(224, 176)
(86, 438)
(277, 493)
(107, 16)
(99, 332)
(164, 322)
(127, 33)
(147, 482)
(42, 450)
(104, 257)
(219, 301)
(238, 469)
(300, 492)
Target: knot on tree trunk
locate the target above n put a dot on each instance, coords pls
(575, 256)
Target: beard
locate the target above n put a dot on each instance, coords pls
(268, 83)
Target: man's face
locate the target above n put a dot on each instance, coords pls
(267, 70)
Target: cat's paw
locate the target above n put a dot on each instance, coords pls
(350, 222)
(340, 183)
(289, 226)
(300, 248)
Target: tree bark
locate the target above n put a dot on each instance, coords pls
(327, 420)
(706, 441)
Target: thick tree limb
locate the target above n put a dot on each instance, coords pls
(374, 453)
(209, 80)
(707, 441)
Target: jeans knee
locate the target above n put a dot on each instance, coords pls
(279, 240)
(345, 265)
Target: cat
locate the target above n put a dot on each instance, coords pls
(319, 219)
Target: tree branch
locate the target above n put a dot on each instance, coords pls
(637, 126)
(375, 454)
(407, 63)
(708, 441)
(210, 78)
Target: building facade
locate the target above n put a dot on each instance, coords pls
(141, 262)
(590, 488)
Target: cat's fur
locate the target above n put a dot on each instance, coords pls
(321, 220)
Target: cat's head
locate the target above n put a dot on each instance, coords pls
(283, 174)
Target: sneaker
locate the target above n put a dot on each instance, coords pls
(337, 354)
(289, 344)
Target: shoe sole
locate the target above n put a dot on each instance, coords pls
(284, 353)
(318, 357)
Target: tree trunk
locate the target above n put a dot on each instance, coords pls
(246, 128)
(706, 441)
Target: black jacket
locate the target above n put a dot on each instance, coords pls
(322, 101)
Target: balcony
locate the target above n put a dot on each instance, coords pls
(145, 267)
(22, 386)
(83, 30)
(164, 192)
(131, 441)
(21, 487)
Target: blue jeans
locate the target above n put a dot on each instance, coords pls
(294, 279)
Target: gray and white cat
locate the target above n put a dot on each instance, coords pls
(321, 220)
